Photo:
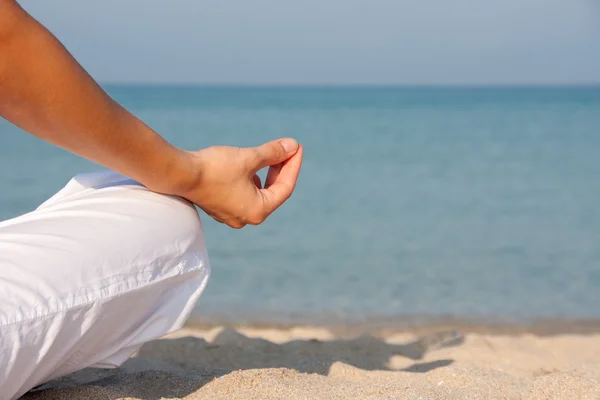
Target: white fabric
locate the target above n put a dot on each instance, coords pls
(97, 270)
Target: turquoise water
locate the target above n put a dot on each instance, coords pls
(429, 202)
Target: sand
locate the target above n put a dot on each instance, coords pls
(314, 363)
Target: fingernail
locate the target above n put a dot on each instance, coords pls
(289, 145)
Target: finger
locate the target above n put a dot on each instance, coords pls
(282, 188)
(273, 174)
(274, 152)
(257, 182)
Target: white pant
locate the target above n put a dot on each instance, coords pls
(97, 270)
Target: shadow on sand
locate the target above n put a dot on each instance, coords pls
(178, 367)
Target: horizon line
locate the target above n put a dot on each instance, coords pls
(590, 85)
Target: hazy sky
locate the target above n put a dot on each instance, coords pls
(331, 41)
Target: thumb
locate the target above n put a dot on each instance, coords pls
(275, 152)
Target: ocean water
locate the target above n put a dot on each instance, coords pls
(479, 203)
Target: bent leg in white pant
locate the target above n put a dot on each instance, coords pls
(102, 267)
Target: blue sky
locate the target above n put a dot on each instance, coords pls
(414, 42)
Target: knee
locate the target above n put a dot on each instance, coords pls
(161, 220)
(123, 223)
(109, 217)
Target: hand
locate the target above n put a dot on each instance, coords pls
(224, 182)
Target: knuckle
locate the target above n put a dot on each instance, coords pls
(268, 205)
(256, 219)
(253, 157)
(235, 224)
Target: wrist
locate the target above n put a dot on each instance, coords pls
(149, 158)
(174, 176)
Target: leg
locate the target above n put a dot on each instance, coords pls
(102, 267)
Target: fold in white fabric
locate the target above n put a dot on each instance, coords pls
(102, 267)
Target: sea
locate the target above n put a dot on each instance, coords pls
(413, 202)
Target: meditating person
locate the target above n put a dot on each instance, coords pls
(116, 258)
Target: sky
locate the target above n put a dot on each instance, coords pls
(321, 42)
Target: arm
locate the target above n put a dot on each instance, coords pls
(46, 92)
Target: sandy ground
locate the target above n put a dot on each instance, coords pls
(313, 363)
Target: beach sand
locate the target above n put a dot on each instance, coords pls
(315, 363)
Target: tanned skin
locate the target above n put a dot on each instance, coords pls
(44, 91)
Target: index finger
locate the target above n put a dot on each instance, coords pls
(281, 190)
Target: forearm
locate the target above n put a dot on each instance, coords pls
(45, 91)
